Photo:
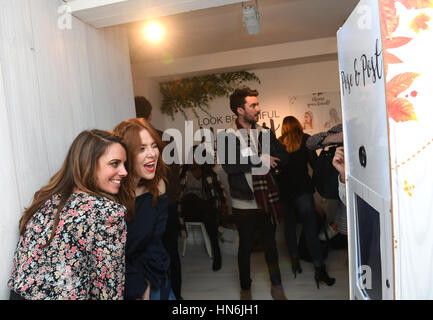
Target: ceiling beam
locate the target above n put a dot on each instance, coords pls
(242, 59)
(104, 13)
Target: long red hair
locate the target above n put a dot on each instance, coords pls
(291, 134)
(129, 131)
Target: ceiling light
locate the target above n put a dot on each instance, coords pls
(250, 17)
(154, 32)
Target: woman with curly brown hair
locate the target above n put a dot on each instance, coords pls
(73, 235)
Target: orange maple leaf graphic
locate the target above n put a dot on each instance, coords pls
(401, 110)
(417, 4)
(400, 83)
(395, 42)
(419, 23)
(389, 18)
(390, 58)
(389, 22)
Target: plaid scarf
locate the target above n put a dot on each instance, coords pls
(265, 190)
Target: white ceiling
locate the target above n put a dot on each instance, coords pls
(205, 36)
(220, 29)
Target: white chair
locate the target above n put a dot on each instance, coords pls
(190, 232)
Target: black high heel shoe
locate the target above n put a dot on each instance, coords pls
(216, 265)
(320, 275)
(296, 266)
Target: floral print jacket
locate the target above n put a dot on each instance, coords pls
(84, 261)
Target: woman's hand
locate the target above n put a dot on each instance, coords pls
(338, 163)
(269, 160)
(146, 295)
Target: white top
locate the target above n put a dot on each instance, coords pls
(246, 204)
(342, 190)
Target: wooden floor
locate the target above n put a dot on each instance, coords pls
(199, 282)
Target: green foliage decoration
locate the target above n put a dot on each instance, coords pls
(197, 92)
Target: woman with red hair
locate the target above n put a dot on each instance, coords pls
(296, 189)
(147, 261)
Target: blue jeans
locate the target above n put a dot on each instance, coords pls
(303, 207)
(163, 293)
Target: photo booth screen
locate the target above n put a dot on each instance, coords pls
(369, 259)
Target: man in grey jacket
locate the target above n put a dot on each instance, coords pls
(250, 156)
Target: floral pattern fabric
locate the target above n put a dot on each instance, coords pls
(84, 261)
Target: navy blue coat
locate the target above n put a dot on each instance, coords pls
(146, 257)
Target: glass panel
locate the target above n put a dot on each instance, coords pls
(370, 268)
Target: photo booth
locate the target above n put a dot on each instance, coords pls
(386, 78)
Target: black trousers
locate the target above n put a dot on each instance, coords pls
(198, 210)
(170, 240)
(248, 222)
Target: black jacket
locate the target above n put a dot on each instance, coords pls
(146, 257)
(294, 179)
(239, 188)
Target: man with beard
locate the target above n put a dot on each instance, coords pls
(254, 193)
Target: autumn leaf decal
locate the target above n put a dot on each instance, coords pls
(400, 83)
(389, 22)
(400, 109)
(390, 58)
(395, 42)
(389, 18)
(417, 4)
(420, 22)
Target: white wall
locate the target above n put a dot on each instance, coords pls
(150, 89)
(53, 84)
(277, 84)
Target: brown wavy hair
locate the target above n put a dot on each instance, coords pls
(129, 130)
(77, 172)
(291, 134)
